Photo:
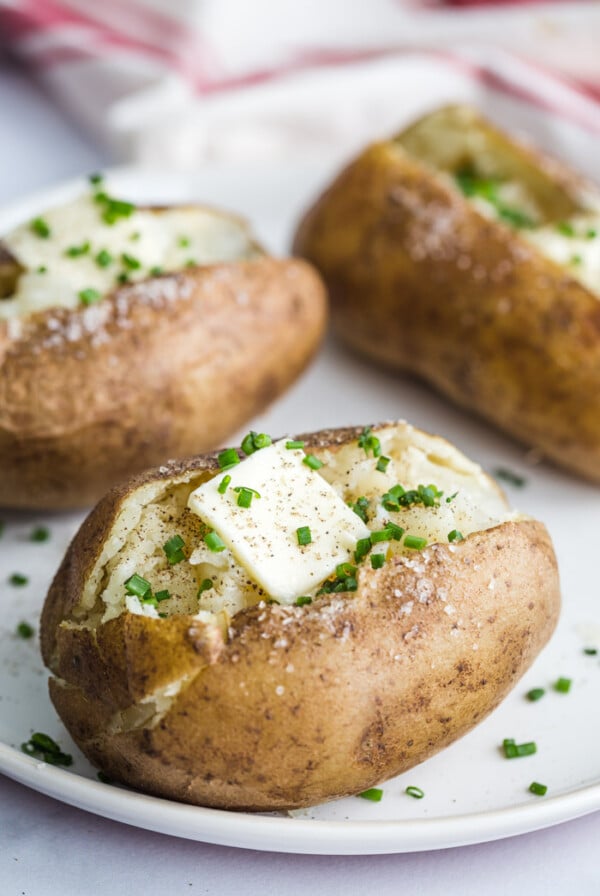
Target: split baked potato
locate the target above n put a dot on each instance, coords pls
(455, 253)
(131, 335)
(296, 626)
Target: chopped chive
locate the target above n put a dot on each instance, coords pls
(415, 542)
(40, 533)
(455, 535)
(415, 792)
(575, 260)
(43, 747)
(214, 542)
(345, 570)
(40, 228)
(41, 269)
(113, 209)
(77, 251)
(303, 600)
(363, 546)
(224, 484)
(360, 508)
(395, 532)
(382, 463)
(103, 258)
(590, 651)
(183, 242)
(294, 443)
(104, 779)
(377, 560)
(135, 584)
(96, 178)
(228, 458)
(25, 631)
(205, 585)
(380, 535)
(173, 548)
(451, 498)
(130, 262)
(18, 579)
(535, 694)
(191, 263)
(538, 789)
(254, 441)
(563, 685)
(303, 535)
(313, 462)
(513, 750)
(156, 270)
(135, 236)
(508, 476)
(122, 278)
(566, 228)
(88, 296)
(245, 495)
(162, 595)
(374, 794)
(591, 234)
(368, 442)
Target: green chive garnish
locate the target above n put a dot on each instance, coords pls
(254, 441)
(566, 228)
(228, 458)
(368, 442)
(313, 462)
(18, 579)
(205, 585)
(162, 595)
(156, 270)
(40, 533)
(103, 258)
(130, 262)
(377, 560)
(183, 242)
(294, 444)
(104, 779)
(135, 584)
(40, 228)
(415, 792)
(575, 260)
(373, 793)
(382, 464)
(41, 269)
(590, 651)
(173, 548)
(77, 251)
(414, 542)
(25, 631)
(122, 278)
(43, 747)
(535, 694)
(513, 750)
(89, 296)
(563, 685)
(538, 789)
(303, 601)
(455, 535)
(508, 476)
(96, 178)
(363, 546)
(591, 234)
(224, 484)
(245, 495)
(214, 542)
(360, 508)
(304, 535)
(345, 570)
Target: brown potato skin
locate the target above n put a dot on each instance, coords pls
(369, 690)
(420, 281)
(173, 367)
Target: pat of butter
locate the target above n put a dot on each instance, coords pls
(264, 537)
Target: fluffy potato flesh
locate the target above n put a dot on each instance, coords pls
(132, 335)
(224, 696)
(460, 255)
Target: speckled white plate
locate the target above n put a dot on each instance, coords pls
(472, 793)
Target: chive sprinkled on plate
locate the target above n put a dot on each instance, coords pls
(40, 533)
(88, 296)
(415, 792)
(104, 779)
(513, 750)
(25, 631)
(214, 542)
(96, 178)
(563, 685)
(173, 548)
(535, 694)
(374, 794)
(303, 535)
(41, 746)
(41, 228)
(18, 579)
(590, 651)
(538, 789)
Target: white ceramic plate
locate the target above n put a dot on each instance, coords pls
(472, 793)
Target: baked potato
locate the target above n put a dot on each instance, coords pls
(455, 253)
(298, 626)
(131, 335)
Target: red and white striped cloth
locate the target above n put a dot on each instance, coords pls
(173, 81)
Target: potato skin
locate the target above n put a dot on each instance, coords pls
(305, 704)
(420, 281)
(167, 367)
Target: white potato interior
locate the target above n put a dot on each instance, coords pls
(470, 502)
(82, 251)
